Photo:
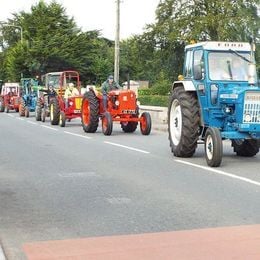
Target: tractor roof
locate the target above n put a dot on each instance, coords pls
(9, 84)
(222, 46)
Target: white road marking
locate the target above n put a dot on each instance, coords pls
(2, 256)
(83, 136)
(118, 200)
(230, 175)
(31, 122)
(10, 115)
(78, 174)
(49, 127)
(19, 118)
(127, 147)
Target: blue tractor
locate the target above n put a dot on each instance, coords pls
(29, 96)
(216, 98)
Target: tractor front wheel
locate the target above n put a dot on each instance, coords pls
(146, 123)
(62, 120)
(213, 147)
(246, 148)
(90, 112)
(107, 124)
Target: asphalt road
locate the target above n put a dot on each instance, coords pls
(61, 183)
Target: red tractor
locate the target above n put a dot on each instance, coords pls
(10, 96)
(60, 107)
(121, 107)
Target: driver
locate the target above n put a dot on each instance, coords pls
(107, 86)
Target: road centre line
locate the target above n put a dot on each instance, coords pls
(19, 118)
(127, 147)
(230, 175)
(83, 136)
(49, 127)
(10, 115)
(2, 256)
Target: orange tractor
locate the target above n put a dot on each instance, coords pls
(10, 96)
(60, 107)
(122, 106)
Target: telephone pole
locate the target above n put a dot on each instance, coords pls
(117, 39)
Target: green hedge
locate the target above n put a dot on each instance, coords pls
(153, 100)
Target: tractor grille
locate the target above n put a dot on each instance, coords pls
(252, 108)
(78, 102)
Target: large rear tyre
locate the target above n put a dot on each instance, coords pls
(246, 148)
(2, 104)
(22, 107)
(129, 127)
(62, 120)
(90, 112)
(107, 124)
(43, 115)
(183, 122)
(146, 123)
(26, 112)
(213, 147)
(38, 111)
(54, 111)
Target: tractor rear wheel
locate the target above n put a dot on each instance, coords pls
(246, 148)
(146, 123)
(22, 107)
(26, 112)
(54, 111)
(62, 120)
(183, 122)
(129, 127)
(43, 114)
(2, 104)
(107, 124)
(90, 112)
(38, 111)
(213, 147)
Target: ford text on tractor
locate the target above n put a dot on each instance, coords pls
(9, 98)
(29, 96)
(217, 98)
(122, 106)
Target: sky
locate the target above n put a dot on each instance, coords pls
(96, 14)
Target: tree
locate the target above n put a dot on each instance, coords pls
(53, 42)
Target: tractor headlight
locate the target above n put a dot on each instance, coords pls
(117, 103)
(247, 117)
(229, 110)
(138, 103)
(71, 103)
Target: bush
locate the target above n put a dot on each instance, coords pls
(162, 86)
(154, 100)
(144, 92)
